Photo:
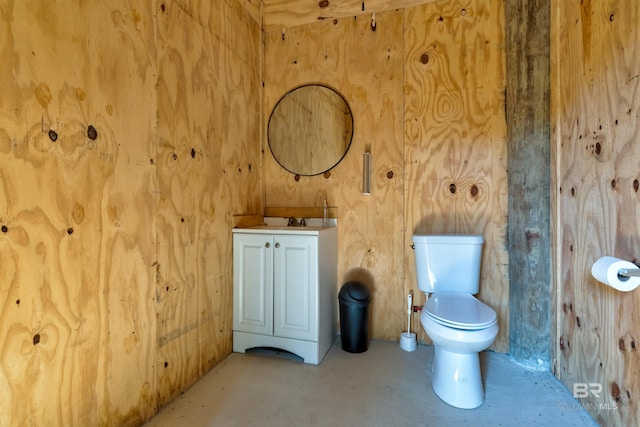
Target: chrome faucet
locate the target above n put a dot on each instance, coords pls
(293, 222)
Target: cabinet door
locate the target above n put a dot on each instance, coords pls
(253, 283)
(295, 283)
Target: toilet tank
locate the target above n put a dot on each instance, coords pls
(448, 263)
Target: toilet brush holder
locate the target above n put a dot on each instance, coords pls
(408, 341)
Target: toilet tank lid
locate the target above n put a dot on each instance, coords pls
(460, 239)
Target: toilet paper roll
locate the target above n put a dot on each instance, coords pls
(606, 270)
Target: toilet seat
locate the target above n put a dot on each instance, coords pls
(460, 311)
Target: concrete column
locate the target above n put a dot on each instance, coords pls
(528, 127)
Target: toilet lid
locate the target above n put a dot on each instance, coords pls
(461, 311)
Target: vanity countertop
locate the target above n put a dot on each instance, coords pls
(279, 225)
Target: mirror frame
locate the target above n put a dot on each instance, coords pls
(348, 143)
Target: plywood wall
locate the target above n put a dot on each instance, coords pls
(455, 136)
(127, 143)
(596, 141)
(208, 165)
(77, 327)
(278, 14)
(426, 89)
(366, 68)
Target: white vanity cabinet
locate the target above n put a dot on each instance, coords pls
(285, 289)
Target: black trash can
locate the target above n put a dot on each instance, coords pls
(354, 299)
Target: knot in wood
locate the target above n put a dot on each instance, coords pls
(92, 133)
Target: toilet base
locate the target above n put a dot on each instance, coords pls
(456, 378)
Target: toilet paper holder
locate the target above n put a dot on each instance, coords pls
(617, 273)
(629, 272)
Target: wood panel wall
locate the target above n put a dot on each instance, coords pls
(278, 14)
(208, 166)
(127, 143)
(596, 142)
(455, 136)
(366, 68)
(426, 89)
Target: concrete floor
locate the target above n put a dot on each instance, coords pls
(384, 386)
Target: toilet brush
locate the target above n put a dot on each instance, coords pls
(409, 303)
(408, 339)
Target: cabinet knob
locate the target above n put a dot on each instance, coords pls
(277, 245)
(267, 245)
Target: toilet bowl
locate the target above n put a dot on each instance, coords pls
(460, 326)
(456, 375)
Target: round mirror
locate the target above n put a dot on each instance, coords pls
(310, 130)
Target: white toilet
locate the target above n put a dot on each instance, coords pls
(460, 326)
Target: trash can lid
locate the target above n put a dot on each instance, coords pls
(354, 291)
